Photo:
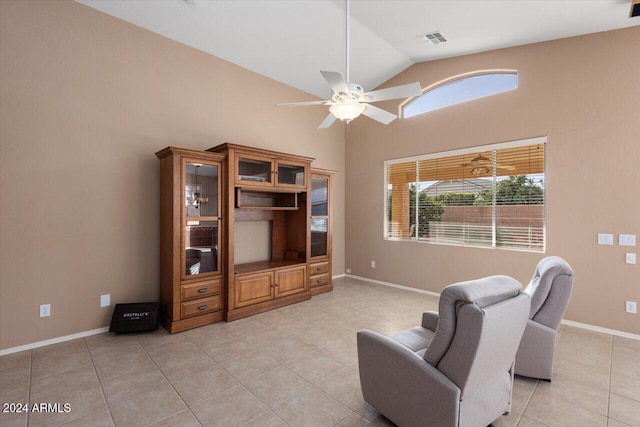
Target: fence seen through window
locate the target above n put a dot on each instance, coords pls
(489, 196)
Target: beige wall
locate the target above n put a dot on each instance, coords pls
(584, 94)
(87, 100)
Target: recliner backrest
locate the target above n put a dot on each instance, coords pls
(550, 289)
(480, 292)
(484, 346)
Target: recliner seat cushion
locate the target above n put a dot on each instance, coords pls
(416, 339)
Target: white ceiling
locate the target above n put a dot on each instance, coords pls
(292, 40)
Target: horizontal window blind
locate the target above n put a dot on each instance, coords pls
(486, 198)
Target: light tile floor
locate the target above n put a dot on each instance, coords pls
(295, 366)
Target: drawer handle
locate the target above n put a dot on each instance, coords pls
(319, 268)
(202, 307)
(319, 281)
(202, 291)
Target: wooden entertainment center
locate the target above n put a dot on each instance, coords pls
(205, 196)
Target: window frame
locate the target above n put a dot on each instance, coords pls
(540, 140)
(453, 80)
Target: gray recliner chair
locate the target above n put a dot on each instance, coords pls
(550, 290)
(457, 368)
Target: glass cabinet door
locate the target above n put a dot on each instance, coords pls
(254, 170)
(201, 190)
(319, 237)
(319, 196)
(319, 216)
(291, 174)
(201, 221)
(201, 247)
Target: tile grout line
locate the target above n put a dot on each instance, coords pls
(171, 384)
(30, 379)
(95, 371)
(610, 378)
(282, 366)
(535, 387)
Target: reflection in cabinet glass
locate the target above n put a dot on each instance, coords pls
(319, 237)
(201, 190)
(319, 196)
(201, 247)
(254, 170)
(290, 174)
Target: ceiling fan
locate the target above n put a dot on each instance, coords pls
(482, 165)
(349, 100)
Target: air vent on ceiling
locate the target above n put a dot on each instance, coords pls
(434, 38)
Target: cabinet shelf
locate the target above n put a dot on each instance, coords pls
(262, 200)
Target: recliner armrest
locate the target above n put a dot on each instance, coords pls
(430, 320)
(402, 385)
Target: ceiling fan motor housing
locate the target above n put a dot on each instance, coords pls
(355, 94)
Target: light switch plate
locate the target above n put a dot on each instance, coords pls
(605, 239)
(627, 240)
(348, 271)
(105, 300)
(630, 258)
(373, 264)
(631, 307)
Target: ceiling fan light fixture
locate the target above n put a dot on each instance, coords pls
(480, 170)
(347, 111)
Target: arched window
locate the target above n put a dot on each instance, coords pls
(459, 89)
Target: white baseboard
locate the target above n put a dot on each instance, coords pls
(564, 321)
(339, 276)
(394, 285)
(54, 341)
(600, 329)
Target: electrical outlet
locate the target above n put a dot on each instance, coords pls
(373, 264)
(627, 240)
(45, 310)
(630, 258)
(348, 271)
(605, 239)
(632, 307)
(105, 300)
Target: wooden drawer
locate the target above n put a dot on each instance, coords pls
(201, 306)
(319, 280)
(318, 268)
(200, 289)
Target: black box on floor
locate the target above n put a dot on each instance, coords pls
(135, 317)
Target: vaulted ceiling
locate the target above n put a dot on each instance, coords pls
(292, 40)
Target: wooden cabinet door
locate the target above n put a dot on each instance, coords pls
(253, 288)
(290, 281)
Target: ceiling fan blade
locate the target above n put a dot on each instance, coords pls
(404, 91)
(327, 122)
(302, 104)
(378, 114)
(336, 81)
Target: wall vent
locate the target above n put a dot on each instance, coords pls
(434, 37)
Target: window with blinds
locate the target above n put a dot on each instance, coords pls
(490, 196)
